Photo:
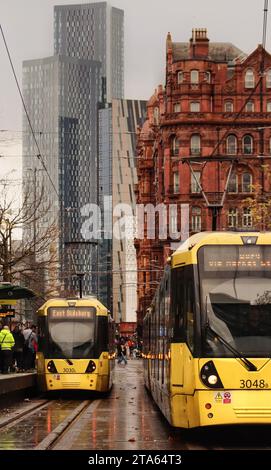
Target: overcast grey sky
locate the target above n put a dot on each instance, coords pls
(28, 27)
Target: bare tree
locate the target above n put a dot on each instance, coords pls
(32, 258)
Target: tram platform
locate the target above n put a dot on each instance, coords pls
(12, 383)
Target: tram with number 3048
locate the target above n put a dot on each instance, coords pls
(75, 345)
(207, 333)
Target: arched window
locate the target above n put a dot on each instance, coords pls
(175, 145)
(195, 144)
(249, 79)
(180, 77)
(268, 78)
(194, 76)
(246, 183)
(268, 106)
(228, 106)
(231, 144)
(195, 107)
(250, 107)
(233, 183)
(248, 145)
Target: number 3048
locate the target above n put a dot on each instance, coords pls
(253, 384)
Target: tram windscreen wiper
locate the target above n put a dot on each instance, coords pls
(249, 365)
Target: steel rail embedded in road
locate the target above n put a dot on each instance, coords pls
(18, 416)
(54, 436)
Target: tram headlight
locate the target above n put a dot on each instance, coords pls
(51, 367)
(91, 367)
(212, 379)
(209, 376)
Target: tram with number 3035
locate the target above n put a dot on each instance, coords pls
(75, 345)
(207, 333)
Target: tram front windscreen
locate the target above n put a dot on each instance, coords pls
(235, 286)
(71, 332)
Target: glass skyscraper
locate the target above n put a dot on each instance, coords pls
(94, 32)
(62, 93)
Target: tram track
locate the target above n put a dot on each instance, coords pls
(53, 438)
(27, 428)
(18, 416)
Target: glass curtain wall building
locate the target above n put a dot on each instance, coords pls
(62, 95)
(93, 31)
(63, 109)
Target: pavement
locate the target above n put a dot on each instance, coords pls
(16, 382)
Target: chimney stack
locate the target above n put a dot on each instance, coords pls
(199, 43)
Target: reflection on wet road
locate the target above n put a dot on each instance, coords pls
(127, 419)
(27, 433)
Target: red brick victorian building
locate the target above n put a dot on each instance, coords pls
(206, 143)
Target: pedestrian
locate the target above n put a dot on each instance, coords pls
(18, 349)
(122, 353)
(7, 342)
(30, 343)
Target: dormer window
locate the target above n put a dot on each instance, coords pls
(249, 79)
(194, 76)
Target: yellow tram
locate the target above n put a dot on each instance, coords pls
(207, 333)
(75, 345)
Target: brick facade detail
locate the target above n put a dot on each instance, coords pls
(213, 114)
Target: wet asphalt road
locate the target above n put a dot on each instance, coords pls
(127, 419)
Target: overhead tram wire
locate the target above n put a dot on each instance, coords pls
(27, 114)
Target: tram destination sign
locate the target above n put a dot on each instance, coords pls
(71, 313)
(242, 258)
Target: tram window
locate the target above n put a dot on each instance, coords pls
(183, 309)
(165, 322)
(177, 313)
(190, 311)
(42, 333)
